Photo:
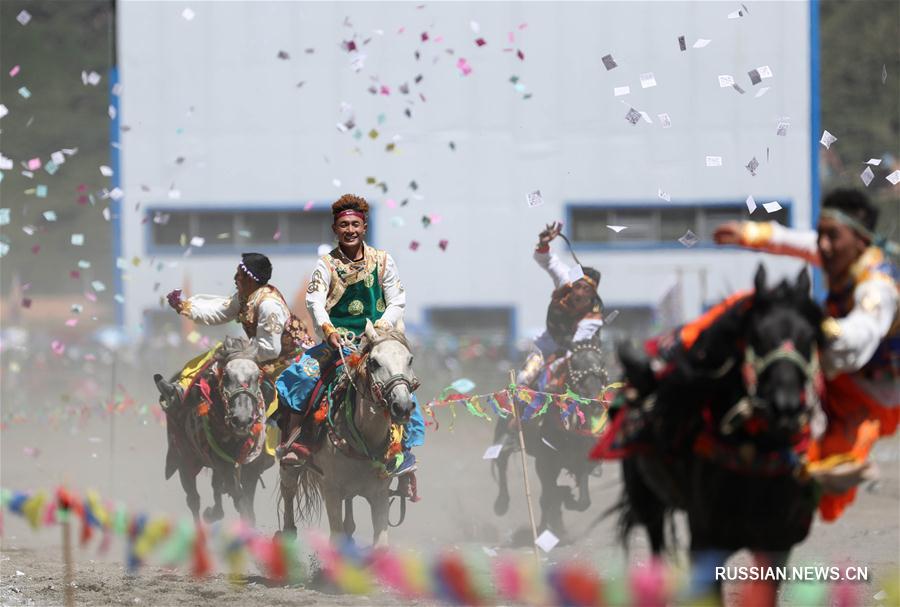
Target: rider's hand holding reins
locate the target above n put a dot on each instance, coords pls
(174, 299)
(334, 340)
(550, 232)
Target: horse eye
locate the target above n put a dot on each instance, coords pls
(374, 363)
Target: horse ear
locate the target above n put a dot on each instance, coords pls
(802, 287)
(400, 325)
(370, 332)
(759, 281)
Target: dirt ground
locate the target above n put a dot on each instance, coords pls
(124, 461)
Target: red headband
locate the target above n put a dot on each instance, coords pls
(359, 214)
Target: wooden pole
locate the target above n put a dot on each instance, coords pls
(512, 400)
(68, 577)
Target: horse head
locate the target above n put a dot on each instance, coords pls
(780, 369)
(388, 369)
(239, 385)
(587, 375)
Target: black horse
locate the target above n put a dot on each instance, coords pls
(557, 442)
(720, 424)
(219, 424)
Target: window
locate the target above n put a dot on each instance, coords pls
(655, 225)
(239, 229)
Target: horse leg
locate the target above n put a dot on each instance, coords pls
(583, 501)
(333, 508)
(215, 512)
(248, 495)
(380, 506)
(551, 496)
(349, 523)
(288, 478)
(501, 437)
(641, 506)
(189, 484)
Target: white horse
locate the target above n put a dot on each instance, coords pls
(358, 436)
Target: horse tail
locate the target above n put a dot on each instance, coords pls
(309, 500)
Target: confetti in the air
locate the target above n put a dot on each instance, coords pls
(689, 239)
(608, 62)
(23, 17)
(867, 176)
(827, 139)
(751, 204)
(534, 199)
(621, 90)
(713, 161)
(771, 207)
(894, 177)
(617, 229)
(648, 80)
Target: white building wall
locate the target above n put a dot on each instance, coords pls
(211, 90)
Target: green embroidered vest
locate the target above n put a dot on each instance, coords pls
(361, 300)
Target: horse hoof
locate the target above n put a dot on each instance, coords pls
(211, 515)
(501, 505)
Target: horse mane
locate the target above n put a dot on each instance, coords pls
(234, 348)
(383, 336)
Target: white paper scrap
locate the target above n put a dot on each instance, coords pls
(713, 161)
(894, 177)
(874, 162)
(616, 229)
(621, 90)
(534, 199)
(546, 541)
(827, 139)
(751, 204)
(867, 176)
(492, 452)
(771, 207)
(701, 42)
(726, 80)
(647, 80)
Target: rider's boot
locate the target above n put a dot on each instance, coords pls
(291, 452)
(530, 369)
(170, 394)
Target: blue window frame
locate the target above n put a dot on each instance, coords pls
(228, 229)
(657, 225)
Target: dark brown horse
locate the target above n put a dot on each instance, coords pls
(557, 441)
(716, 428)
(220, 424)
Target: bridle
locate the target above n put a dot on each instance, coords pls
(576, 375)
(754, 366)
(228, 396)
(379, 390)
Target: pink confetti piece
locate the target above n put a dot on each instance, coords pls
(31, 451)
(83, 200)
(464, 66)
(480, 41)
(443, 245)
(90, 357)
(26, 302)
(34, 164)
(90, 297)
(439, 39)
(385, 90)
(36, 249)
(58, 347)
(520, 55)
(511, 37)
(71, 322)
(424, 36)
(277, 235)
(414, 245)
(523, 26)
(391, 203)
(308, 206)
(75, 274)
(14, 71)
(82, 187)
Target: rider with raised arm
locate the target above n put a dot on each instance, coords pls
(350, 285)
(260, 309)
(575, 312)
(862, 356)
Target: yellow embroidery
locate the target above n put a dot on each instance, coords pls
(355, 308)
(272, 326)
(831, 328)
(379, 305)
(369, 280)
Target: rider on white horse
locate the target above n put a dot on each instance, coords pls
(575, 312)
(262, 311)
(353, 284)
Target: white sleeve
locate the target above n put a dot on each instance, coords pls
(772, 237)
(394, 294)
(211, 309)
(317, 295)
(557, 270)
(861, 331)
(270, 322)
(586, 329)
